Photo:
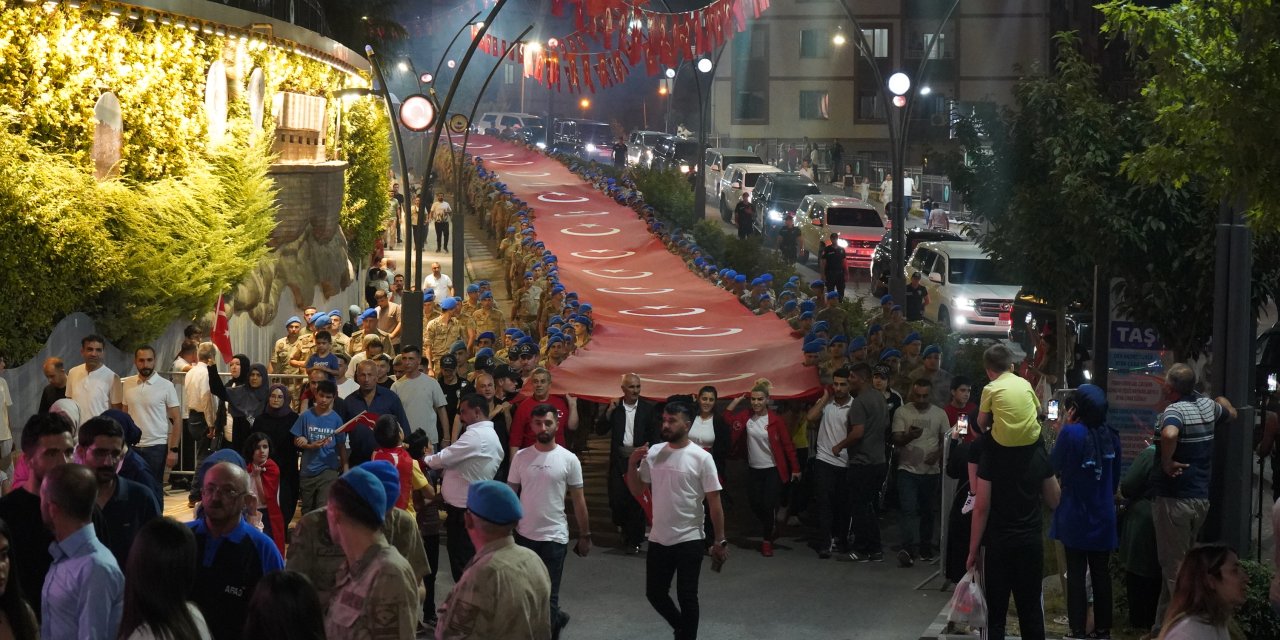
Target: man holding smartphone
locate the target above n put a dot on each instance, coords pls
(918, 429)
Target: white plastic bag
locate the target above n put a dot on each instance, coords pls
(968, 605)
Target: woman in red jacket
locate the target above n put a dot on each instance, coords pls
(264, 478)
(763, 437)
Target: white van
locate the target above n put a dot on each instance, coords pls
(969, 292)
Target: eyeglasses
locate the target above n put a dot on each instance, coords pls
(224, 491)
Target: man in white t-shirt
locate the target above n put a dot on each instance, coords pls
(440, 213)
(152, 402)
(908, 189)
(679, 477)
(439, 283)
(918, 429)
(6, 432)
(421, 395)
(93, 385)
(829, 470)
(541, 475)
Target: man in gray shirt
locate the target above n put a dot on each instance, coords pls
(868, 421)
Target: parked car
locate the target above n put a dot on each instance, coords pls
(737, 179)
(779, 194)
(716, 159)
(969, 291)
(858, 224)
(882, 257)
(587, 139)
(524, 125)
(640, 147)
(675, 153)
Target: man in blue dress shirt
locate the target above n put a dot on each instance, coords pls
(83, 592)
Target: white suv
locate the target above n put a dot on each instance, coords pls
(969, 292)
(737, 179)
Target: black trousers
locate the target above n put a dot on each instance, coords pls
(830, 488)
(1144, 597)
(836, 284)
(458, 543)
(763, 492)
(682, 561)
(432, 544)
(865, 481)
(442, 235)
(627, 512)
(1015, 571)
(1096, 562)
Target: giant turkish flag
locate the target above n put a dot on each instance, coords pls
(653, 317)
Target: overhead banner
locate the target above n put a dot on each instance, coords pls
(653, 317)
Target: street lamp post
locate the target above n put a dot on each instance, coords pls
(900, 106)
(704, 66)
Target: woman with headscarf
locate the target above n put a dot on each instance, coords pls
(1087, 458)
(275, 422)
(245, 395)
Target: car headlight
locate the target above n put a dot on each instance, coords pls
(964, 303)
(541, 145)
(591, 148)
(842, 243)
(775, 215)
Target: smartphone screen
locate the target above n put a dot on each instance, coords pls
(962, 424)
(1053, 409)
(1271, 382)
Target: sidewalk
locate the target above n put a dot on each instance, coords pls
(480, 262)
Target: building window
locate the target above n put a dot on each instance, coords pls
(750, 84)
(939, 50)
(508, 74)
(877, 41)
(815, 105)
(815, 43)
(870, 106)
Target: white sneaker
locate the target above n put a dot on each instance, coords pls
(968, 503)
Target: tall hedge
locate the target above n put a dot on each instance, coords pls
(366, 147)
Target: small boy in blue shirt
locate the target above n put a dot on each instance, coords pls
(324, 450)
(324, 359)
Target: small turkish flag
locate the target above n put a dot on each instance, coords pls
(221, 337)
(366, 418)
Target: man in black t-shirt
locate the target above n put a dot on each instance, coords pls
(916, 299)
(832, 263)
(1012, 482)
(789, 239)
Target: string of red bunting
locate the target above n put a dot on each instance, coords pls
(629, 34)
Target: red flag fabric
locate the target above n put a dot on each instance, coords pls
(221, 336)
(366, 418)
(653, 317)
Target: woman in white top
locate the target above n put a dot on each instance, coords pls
(1211, 586)
(710, 430)
(763, 436)
(158, 578)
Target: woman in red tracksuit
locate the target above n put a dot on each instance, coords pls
(762, 437)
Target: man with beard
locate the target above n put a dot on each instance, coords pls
(233, 554)
(93, 385)
(126, 505)
(473, 457)
(522, 434)
(679, 477)
(453, 385)
(629, 423)
(153, 402)
(541, 475)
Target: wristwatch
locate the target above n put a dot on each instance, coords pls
(723, 543)
(173, 450)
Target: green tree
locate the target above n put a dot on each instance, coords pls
(1047, 177)
(366, 201)
(1212, 82)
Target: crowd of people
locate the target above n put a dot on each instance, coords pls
(321, 506)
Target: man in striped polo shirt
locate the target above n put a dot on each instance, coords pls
(1181, 479)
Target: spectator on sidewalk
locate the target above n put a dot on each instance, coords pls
(868, 421)
(93, 385)
(1210, 586)
(1138, 555)
(84, 590)
(831, 414)
(918, 429)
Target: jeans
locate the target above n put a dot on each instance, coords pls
(864, 491)
(1078, 600)
(457, 542)
(832, 497)
(552, 554)
(764, 489)
(684, 562)
(155, 457)
(1017, 571)
(1178, 522)
(442, 235)
(918, 499)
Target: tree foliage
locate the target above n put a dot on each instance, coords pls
(1212, 82)
(1047, 176)
(366, 200)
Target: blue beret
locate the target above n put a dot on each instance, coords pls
(586, 306)
(484, 352)
(458, 345)
(840, 339)
(487, 295)
(807, 315)
(368, 313)
(486, 334)
(930, 350)
(756, 282)
(765, 296)
(808, 305)
(336, 312)
(911, 337)
(768, 277)
(320, 318)
(789, 305)
(511, 229)
(857, 343)
(739, 278)
(494, 501)
(873, 329)
(896, 307)
(793, 278)
(291, 320)
(369, 488)
(473, 288)
(833, 294)
(483, 283)
(512, 332)
(814, 346)
(817, 283)
(731, 273)
(789, 285)
(386, 473)
(448, 303)
(428, 296)
(890, 353)
(886, 299)
(821, 325)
